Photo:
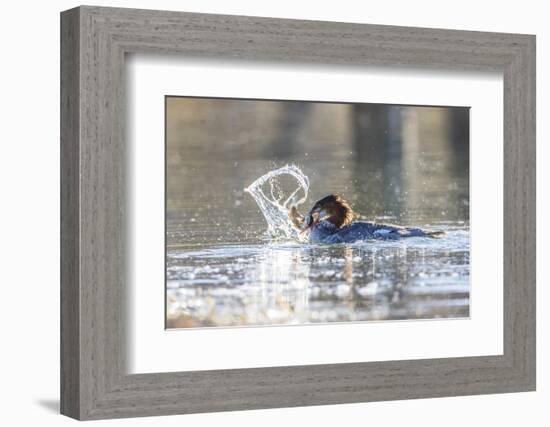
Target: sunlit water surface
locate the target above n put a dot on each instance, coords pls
(222, 275)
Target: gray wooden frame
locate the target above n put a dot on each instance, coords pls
(94, 382)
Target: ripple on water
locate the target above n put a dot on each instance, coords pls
(289, 283)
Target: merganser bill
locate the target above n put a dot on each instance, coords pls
(331, 221)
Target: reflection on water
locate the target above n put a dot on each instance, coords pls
(404, 165)
(296, 284)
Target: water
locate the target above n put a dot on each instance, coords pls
(296, 284)
(232, 258)
(282, 280)
(276, 204)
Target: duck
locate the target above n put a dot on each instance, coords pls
(330, 221)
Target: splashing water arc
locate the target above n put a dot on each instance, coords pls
(275, 205)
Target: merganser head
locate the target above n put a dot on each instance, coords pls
(332, 208)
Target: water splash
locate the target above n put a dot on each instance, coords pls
(275, 205)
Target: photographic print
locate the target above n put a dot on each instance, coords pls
(298, 212)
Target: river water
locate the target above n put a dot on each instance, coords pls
(224, 268)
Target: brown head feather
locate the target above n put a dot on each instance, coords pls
(338, 209)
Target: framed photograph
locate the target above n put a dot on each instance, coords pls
(262, 213)
(334, 263)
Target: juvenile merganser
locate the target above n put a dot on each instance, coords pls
(331, 221)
